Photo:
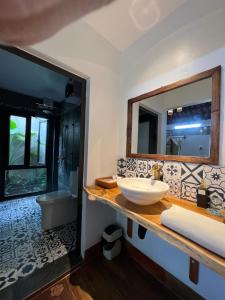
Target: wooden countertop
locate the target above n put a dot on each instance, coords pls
(149, 217)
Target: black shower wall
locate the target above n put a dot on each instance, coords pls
(68, 143)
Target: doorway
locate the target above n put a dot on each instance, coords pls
(42, 113)
(147, 131)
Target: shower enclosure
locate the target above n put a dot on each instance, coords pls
(69, 141)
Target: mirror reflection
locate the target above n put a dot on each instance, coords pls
(177, 122)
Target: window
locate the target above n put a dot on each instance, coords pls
(25, 181)
(26, 171)
(38, 141)
(17, 140)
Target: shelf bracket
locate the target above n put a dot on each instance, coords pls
(194, 270)
(141, 232)
(129, 227)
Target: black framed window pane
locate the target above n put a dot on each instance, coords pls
(25, 181)
(38, 141)
(17, 138)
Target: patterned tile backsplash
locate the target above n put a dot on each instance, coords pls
(183, 178)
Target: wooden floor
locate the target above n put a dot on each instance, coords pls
(121, 279)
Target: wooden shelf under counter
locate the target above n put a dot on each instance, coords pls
(149, 217)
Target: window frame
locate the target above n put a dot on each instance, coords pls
(4, 165)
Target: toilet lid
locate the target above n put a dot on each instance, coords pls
(52, 197)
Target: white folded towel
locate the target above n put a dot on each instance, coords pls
(204, 231)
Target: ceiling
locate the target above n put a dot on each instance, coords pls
(124, 22)
(25, 77)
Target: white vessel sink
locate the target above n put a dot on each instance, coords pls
(143, 191)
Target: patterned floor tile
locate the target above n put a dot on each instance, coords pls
(67, 237)
(43, 260)
(40, 247)
(59, 252)
(7, 266)
(5, 228)
(24, 247)
(7, 251)
(8, 278)
(26, 269)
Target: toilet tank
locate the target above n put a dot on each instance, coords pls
(57, 208)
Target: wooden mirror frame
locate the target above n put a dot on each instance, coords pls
(215, 74)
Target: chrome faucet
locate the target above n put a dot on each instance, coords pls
(157, 172)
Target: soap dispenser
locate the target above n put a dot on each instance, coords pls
(203, 195)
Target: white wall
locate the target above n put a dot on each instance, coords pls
(188, 51)
(83, 50)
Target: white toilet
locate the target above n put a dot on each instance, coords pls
(58, 208)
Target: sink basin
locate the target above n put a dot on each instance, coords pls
(143, 191)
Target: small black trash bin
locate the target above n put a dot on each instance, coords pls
(112, 243)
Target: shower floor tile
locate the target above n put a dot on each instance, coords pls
(24, 247)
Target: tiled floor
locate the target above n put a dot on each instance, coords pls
(24, 247)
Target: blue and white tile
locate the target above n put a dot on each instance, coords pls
(142, 168)
(217, 197)
(67, 236)
(131, 164)
(7, 250)
(24, 247)
(191, 173)
(43, 260)
(214, 176)
(5, 228)
(40, 247)
(26, 269)
(189, 191)
(174, 187)
(121, 167)
(59, 252)
(7, 267)
(172, 171)
(7, 278)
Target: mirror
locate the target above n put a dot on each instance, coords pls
(177, 122)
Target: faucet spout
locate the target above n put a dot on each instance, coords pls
(157, 172)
